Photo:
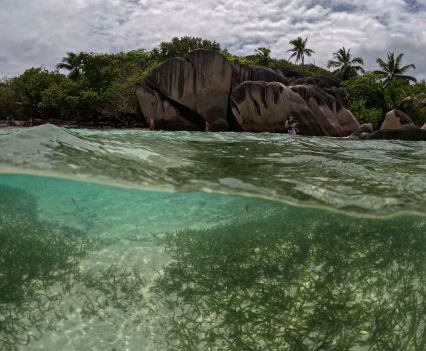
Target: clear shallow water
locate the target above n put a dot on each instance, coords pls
(133, 240)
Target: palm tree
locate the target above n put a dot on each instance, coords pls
(392, 68)
(263, 55)
(299, 49)
(347, 66)
(73, 63)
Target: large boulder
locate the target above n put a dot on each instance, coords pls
(264, 107)
(164, 113)
(330, 85)
(407, 132)
(396, 119)
(243, 73)
(201, 82)
(335, 119)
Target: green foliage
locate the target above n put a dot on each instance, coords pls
(179, 47)
(412, 100)
(367, 88)
(263, 56)
(21, 96)
(99, 89)
(366, 115)
(391, 69)
(299, 50)
(346, 66)
(368, 95)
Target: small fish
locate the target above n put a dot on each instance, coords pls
(247, 208)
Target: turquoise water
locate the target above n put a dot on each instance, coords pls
(136, 240)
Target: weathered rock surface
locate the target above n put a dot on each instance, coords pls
(320, 81)
(293, 74)
(424, 126)
(396, 119)
(334, 118)
(243, 73)
(165, 115)
(330, 85)
(408, 132)
(264, 107)
(201, 82)
(363, 129)
(204, 90)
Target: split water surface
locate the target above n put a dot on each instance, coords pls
(135, 240)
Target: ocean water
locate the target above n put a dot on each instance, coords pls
(139, 240)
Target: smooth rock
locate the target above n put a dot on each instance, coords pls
(365, 128)
(396, 119)
(201, 82)
(264, 107)
(165, 115)
(243, 73)
(334, 118)
(320, 81)
(408, 132)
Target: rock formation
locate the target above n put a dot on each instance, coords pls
(204, 90)
(262, 106)
(424, 126)
(396, 119)
(166, 116)
(320, 81)
(330, 85)
(244, 73)
(334, 118)
(201, 82)
(407, 132)
(363, 129)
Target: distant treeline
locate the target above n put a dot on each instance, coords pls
(98, 89)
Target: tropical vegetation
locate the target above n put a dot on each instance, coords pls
(299, 50)
(346, 65)
(97, 89)
(391, 68)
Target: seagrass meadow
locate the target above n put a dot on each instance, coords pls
(137, 240)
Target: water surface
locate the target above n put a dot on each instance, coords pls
(137, 240)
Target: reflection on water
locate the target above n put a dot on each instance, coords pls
(266, 277)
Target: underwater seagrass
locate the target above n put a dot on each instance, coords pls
(36, 255)
(297, 280)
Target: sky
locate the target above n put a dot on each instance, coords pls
(37, 33)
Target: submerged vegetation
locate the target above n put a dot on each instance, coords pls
(299, 280)
(287, 279)
(98, 89)
(40, 265)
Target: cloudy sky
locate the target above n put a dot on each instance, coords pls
(40, 32)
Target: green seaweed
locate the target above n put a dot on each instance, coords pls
(300, 280)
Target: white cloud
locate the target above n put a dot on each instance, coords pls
(40, 32)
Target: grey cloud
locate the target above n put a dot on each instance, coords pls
(40, 32)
